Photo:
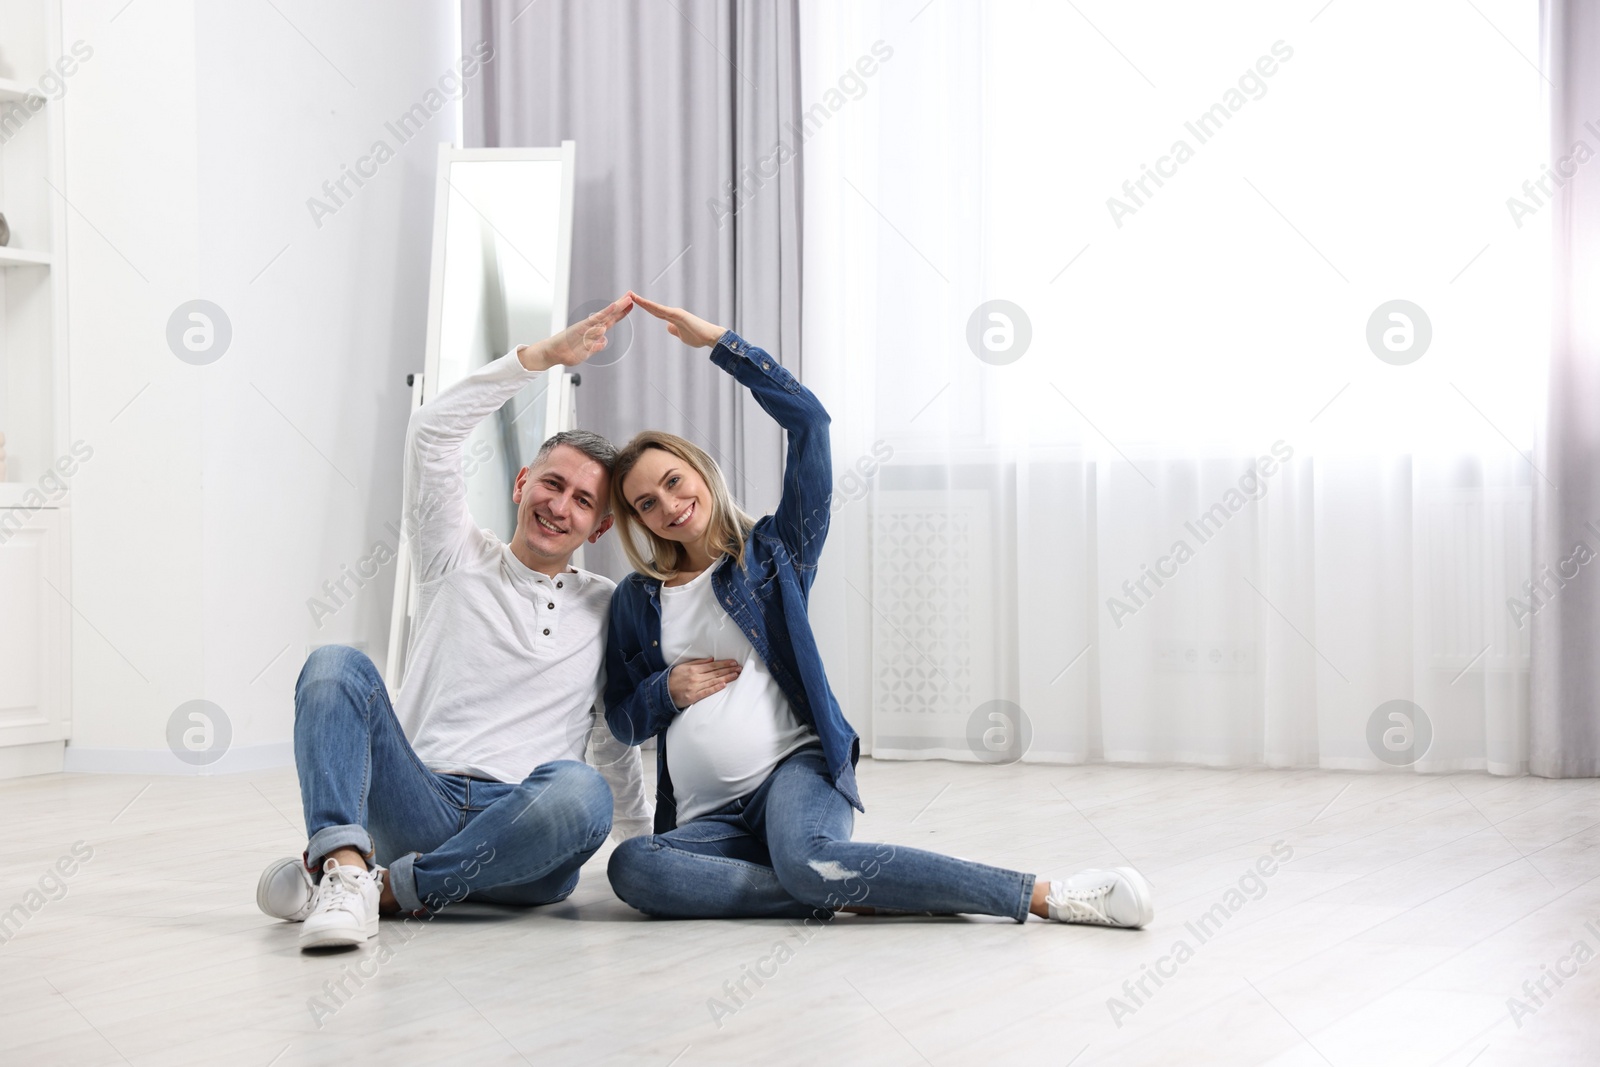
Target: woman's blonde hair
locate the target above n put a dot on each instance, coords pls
(657, 556)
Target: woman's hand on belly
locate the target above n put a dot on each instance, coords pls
(693, 680)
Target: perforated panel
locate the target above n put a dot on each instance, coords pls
(932, 619)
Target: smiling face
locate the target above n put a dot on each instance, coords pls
(668, 496)
(561, 503)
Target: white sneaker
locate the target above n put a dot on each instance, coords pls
(345, 909)
(1116, 897)
(286, 889)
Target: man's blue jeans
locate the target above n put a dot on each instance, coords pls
(784, 851)
(443, 837)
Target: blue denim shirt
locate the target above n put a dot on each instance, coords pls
(767, 598)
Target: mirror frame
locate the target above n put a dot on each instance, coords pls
(560, 401)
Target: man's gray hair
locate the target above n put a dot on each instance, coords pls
(588, 442)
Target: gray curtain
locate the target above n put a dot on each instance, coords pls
(1564, 728)
(683, 112)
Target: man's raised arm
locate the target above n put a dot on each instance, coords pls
(437, 521)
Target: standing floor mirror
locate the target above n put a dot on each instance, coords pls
(502, 249)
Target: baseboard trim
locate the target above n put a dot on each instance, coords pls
(81, 760)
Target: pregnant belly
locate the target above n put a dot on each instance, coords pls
(728, 742)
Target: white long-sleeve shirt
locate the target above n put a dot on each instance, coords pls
(505, 665)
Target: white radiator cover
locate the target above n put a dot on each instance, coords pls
(934, 650)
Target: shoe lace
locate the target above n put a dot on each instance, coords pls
(341, 887)
(1080, 905)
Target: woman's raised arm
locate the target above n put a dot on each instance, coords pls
(801, 519)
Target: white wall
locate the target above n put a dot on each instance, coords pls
(223, 496)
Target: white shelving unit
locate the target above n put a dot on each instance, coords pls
(15, 90)
(35, 512)
(21, 257)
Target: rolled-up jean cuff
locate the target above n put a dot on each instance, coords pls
(402, 878)
(331, 838)
(1027, 898)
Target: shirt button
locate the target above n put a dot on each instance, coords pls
(765, 365)
(652, 644)
(547, 633)
(550, 605)
(558, 585)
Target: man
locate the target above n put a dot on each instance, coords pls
(472, 785)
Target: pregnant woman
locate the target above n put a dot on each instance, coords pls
(711, 652)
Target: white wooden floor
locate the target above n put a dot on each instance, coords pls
(1411, 911)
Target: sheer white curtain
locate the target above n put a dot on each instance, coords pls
(1198, 518)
